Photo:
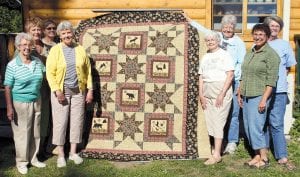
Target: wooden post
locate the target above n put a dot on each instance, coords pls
(11, 45)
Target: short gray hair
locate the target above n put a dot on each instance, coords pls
(277, 19)
(21, 36)
(64, 25)
(229, 19)
(212, 34)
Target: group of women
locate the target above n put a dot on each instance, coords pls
(41, 67)
(255, 81)
(230, 77)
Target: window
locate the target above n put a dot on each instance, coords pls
(257, 10)
(223, 7)
(248, 12)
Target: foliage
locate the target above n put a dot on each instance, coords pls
(295, 130)
(10, 20)
(296, 104)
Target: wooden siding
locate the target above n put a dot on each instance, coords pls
(76, 10)
(294, 24)
(295, 19)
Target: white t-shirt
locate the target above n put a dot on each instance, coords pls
(214, 66)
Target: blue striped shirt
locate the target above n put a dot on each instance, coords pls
(71, 80)
(24, 81)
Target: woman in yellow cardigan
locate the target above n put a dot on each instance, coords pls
(68, 72)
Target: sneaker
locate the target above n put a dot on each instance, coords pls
(230, 148)
(61, 162)
(76, 158)
(38, 164)
(22, 169)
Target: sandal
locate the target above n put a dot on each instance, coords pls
(288, 165)
(212, 160)
(251, 163)
(259, 165)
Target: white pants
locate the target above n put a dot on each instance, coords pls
(72, 107)
(26, 130)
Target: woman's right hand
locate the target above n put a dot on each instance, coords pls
(60, 96)
(10, 113)
(239, 98)
(203, 102)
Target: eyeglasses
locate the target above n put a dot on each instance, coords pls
(210, 40)
(51, 28)
(26, 45)
(259, 34)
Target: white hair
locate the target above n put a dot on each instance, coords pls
(229, 19)
(21, 36)
(64, 25)
(212, 34)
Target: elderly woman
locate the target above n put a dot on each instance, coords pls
(69, 77)
(237, 49)
(216, 74)
(279, 98)
(23, 79)
(49, 35)
(34, 27)
(259, 77)
(48, 40)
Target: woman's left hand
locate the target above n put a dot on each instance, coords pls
(89, 96)
(261, 106)
(219, 100)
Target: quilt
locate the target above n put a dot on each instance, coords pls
(145, 77)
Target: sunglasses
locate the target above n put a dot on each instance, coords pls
(51, 28)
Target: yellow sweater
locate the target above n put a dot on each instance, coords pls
(56, 68)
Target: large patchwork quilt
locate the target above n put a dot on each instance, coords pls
(145, 74)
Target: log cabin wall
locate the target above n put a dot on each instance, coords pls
(199, 10)
(76, 10)
(294, 21)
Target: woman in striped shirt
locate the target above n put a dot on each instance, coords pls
(23, 79)
(69, 76)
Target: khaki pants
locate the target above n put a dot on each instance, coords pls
(26, 130)
(73, 107)
(216, 117)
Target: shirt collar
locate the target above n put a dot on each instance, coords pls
(20, 63)
(229, 41)
(262, 49)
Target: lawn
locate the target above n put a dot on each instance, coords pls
(232, 165)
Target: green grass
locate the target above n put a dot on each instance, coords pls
(231, 166)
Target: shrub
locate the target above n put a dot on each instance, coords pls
(295, 130)
(10, 20)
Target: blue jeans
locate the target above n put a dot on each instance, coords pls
(233, 132)
(254, 122)
(276, 124)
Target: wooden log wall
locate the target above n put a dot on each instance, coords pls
(294, 25)
(76, 10)
(199, 10)
(295, 20)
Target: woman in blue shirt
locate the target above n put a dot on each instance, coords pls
(23, 79)
(279, 99)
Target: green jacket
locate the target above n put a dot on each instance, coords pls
(259, 69)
